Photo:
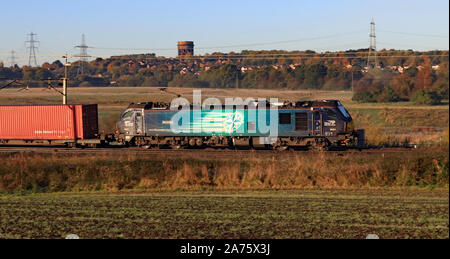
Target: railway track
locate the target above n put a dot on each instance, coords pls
(206, 151)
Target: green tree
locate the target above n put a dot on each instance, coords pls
(222, 76)
(314, 75)
(425, 97)
(42, 73)
(387, 95)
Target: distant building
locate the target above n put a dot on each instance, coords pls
(185, 48)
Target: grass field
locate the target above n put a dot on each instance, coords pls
(266, 214)
(118, 97)
(384, 122)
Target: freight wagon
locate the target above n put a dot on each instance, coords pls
(75, 124)
(319, 124)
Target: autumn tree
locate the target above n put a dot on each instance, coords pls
(424, 78)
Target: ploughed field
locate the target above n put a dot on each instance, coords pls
(338, 213)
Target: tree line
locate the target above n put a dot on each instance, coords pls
(399, 74)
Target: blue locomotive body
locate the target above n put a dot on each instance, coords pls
(321, 123)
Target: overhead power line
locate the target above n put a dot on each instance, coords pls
(131, 49)
(405, 45)
(301, 53)
(256, 57)
(26, 55)
(334, 55)
(243, 45)
(415, 34)
(282, 42)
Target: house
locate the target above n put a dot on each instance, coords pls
(435, 67)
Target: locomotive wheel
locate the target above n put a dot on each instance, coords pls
(320, 146)
(192, 142)
(177, 146)
(281, 148)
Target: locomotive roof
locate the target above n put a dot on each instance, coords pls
(285, 105)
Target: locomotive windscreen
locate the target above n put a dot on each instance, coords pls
(343, 110)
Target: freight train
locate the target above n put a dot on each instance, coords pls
(314, 124)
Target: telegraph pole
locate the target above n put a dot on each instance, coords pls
(65, 79)
(352, 81)
(13, 58)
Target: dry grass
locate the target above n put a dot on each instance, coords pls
(116, 97)
(39, 173)
(396, 126)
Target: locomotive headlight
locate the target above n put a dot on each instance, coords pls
(350, 126)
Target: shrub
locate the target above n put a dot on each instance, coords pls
(85, 84)
(425, 97)
(363, 97)
(378, 95)
(387, 95)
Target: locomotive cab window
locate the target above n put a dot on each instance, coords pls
(331, 113)
(127, 114)
(285, 118)
(343, 110)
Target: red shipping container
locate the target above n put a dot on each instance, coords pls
(74, 121)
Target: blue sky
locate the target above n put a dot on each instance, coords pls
(156, 26)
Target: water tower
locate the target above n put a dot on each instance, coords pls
(185, 48)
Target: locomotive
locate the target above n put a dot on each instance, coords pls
(315, 124)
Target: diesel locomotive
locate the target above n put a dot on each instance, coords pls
(315, 124)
